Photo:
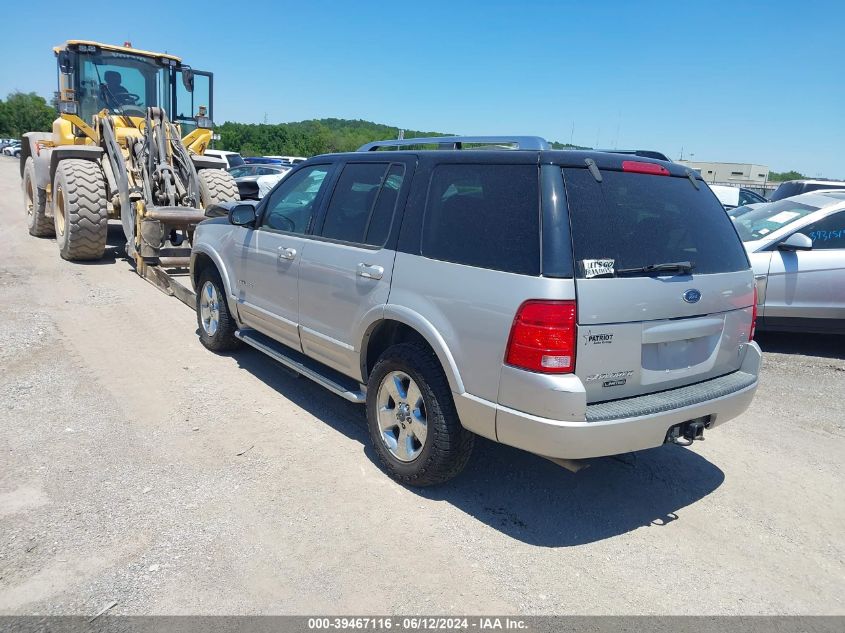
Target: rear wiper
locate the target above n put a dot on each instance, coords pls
(669, 267)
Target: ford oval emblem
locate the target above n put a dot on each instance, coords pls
(692, 295)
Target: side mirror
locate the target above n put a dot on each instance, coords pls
(796, 242)
(188, 79)
(242, 215)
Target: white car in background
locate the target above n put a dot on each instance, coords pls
(797, 249)
(233, 159)
(732, 197)
(255, 180)
(13, 150)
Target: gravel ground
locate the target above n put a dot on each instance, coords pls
(136, 467)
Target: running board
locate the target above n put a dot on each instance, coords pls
(332, 380)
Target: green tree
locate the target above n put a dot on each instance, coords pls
(25, 112)
(775, 176)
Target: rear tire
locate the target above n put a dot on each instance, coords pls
(412, 419)
(35, 203)
(79, 210)
(216, 186)
(216, 324)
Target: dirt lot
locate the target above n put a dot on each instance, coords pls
(137, 467)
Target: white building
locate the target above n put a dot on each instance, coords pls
(738, 174)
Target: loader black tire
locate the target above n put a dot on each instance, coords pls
(217, 185)
(35, 203)
(80, 210)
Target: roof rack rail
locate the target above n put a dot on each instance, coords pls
(457, 142)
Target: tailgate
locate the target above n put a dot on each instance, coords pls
(641, 330)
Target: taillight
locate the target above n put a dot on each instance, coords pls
(753, 315)
(639, 167)
(543, 337)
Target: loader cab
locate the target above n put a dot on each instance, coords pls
(126, 81)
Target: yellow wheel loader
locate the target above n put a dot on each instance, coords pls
(114, 153)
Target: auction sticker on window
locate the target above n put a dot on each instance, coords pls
(597, 267)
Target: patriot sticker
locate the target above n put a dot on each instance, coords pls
(597, 267)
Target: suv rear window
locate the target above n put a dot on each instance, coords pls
(484, 215)
(638, 220)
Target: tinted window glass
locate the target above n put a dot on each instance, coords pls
(484, 215)
(353, 200)
(637, 219)
(828, 233)
(382, 215)
(234, 159)
(749, 197)
(291, 205)
(768, 218)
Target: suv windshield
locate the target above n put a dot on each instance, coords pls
(768, 218)
(633, 221)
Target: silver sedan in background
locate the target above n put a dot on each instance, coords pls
(797, 249)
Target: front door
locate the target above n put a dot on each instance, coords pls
(268, 298)
(808, 284)
(347, 267)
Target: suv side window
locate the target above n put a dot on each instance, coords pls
(362, 205)
(484, 215)
(828, 233)
(290, 207)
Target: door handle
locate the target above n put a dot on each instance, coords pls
(368, 271)
(286, 253)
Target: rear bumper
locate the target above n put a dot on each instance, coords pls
(635, 423)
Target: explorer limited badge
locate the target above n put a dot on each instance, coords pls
(613, 375)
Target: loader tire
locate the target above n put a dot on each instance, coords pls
(35, 203)
(217, 185)
(79, 210)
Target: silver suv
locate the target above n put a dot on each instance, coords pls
(572, 304)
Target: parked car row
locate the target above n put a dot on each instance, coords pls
(11, 148)
(460, 292)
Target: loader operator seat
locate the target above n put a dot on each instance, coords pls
(113, 94)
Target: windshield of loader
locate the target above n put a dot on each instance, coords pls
(120, 82)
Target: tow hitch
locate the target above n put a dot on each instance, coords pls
(686, 433)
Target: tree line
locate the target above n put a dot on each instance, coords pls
(27, 112)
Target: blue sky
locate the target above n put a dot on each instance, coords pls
(760, 82)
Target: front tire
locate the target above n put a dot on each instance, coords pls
(35, 203)
(412, 419)
(80, 211)
(216, 324)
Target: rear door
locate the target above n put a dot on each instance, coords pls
(640, 331)
(347, 266)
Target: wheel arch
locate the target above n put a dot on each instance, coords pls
(40, 157)
(83, 152)
(397, 325)
(203, 258)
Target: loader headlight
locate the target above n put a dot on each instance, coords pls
(204, 122)
(68, 107)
